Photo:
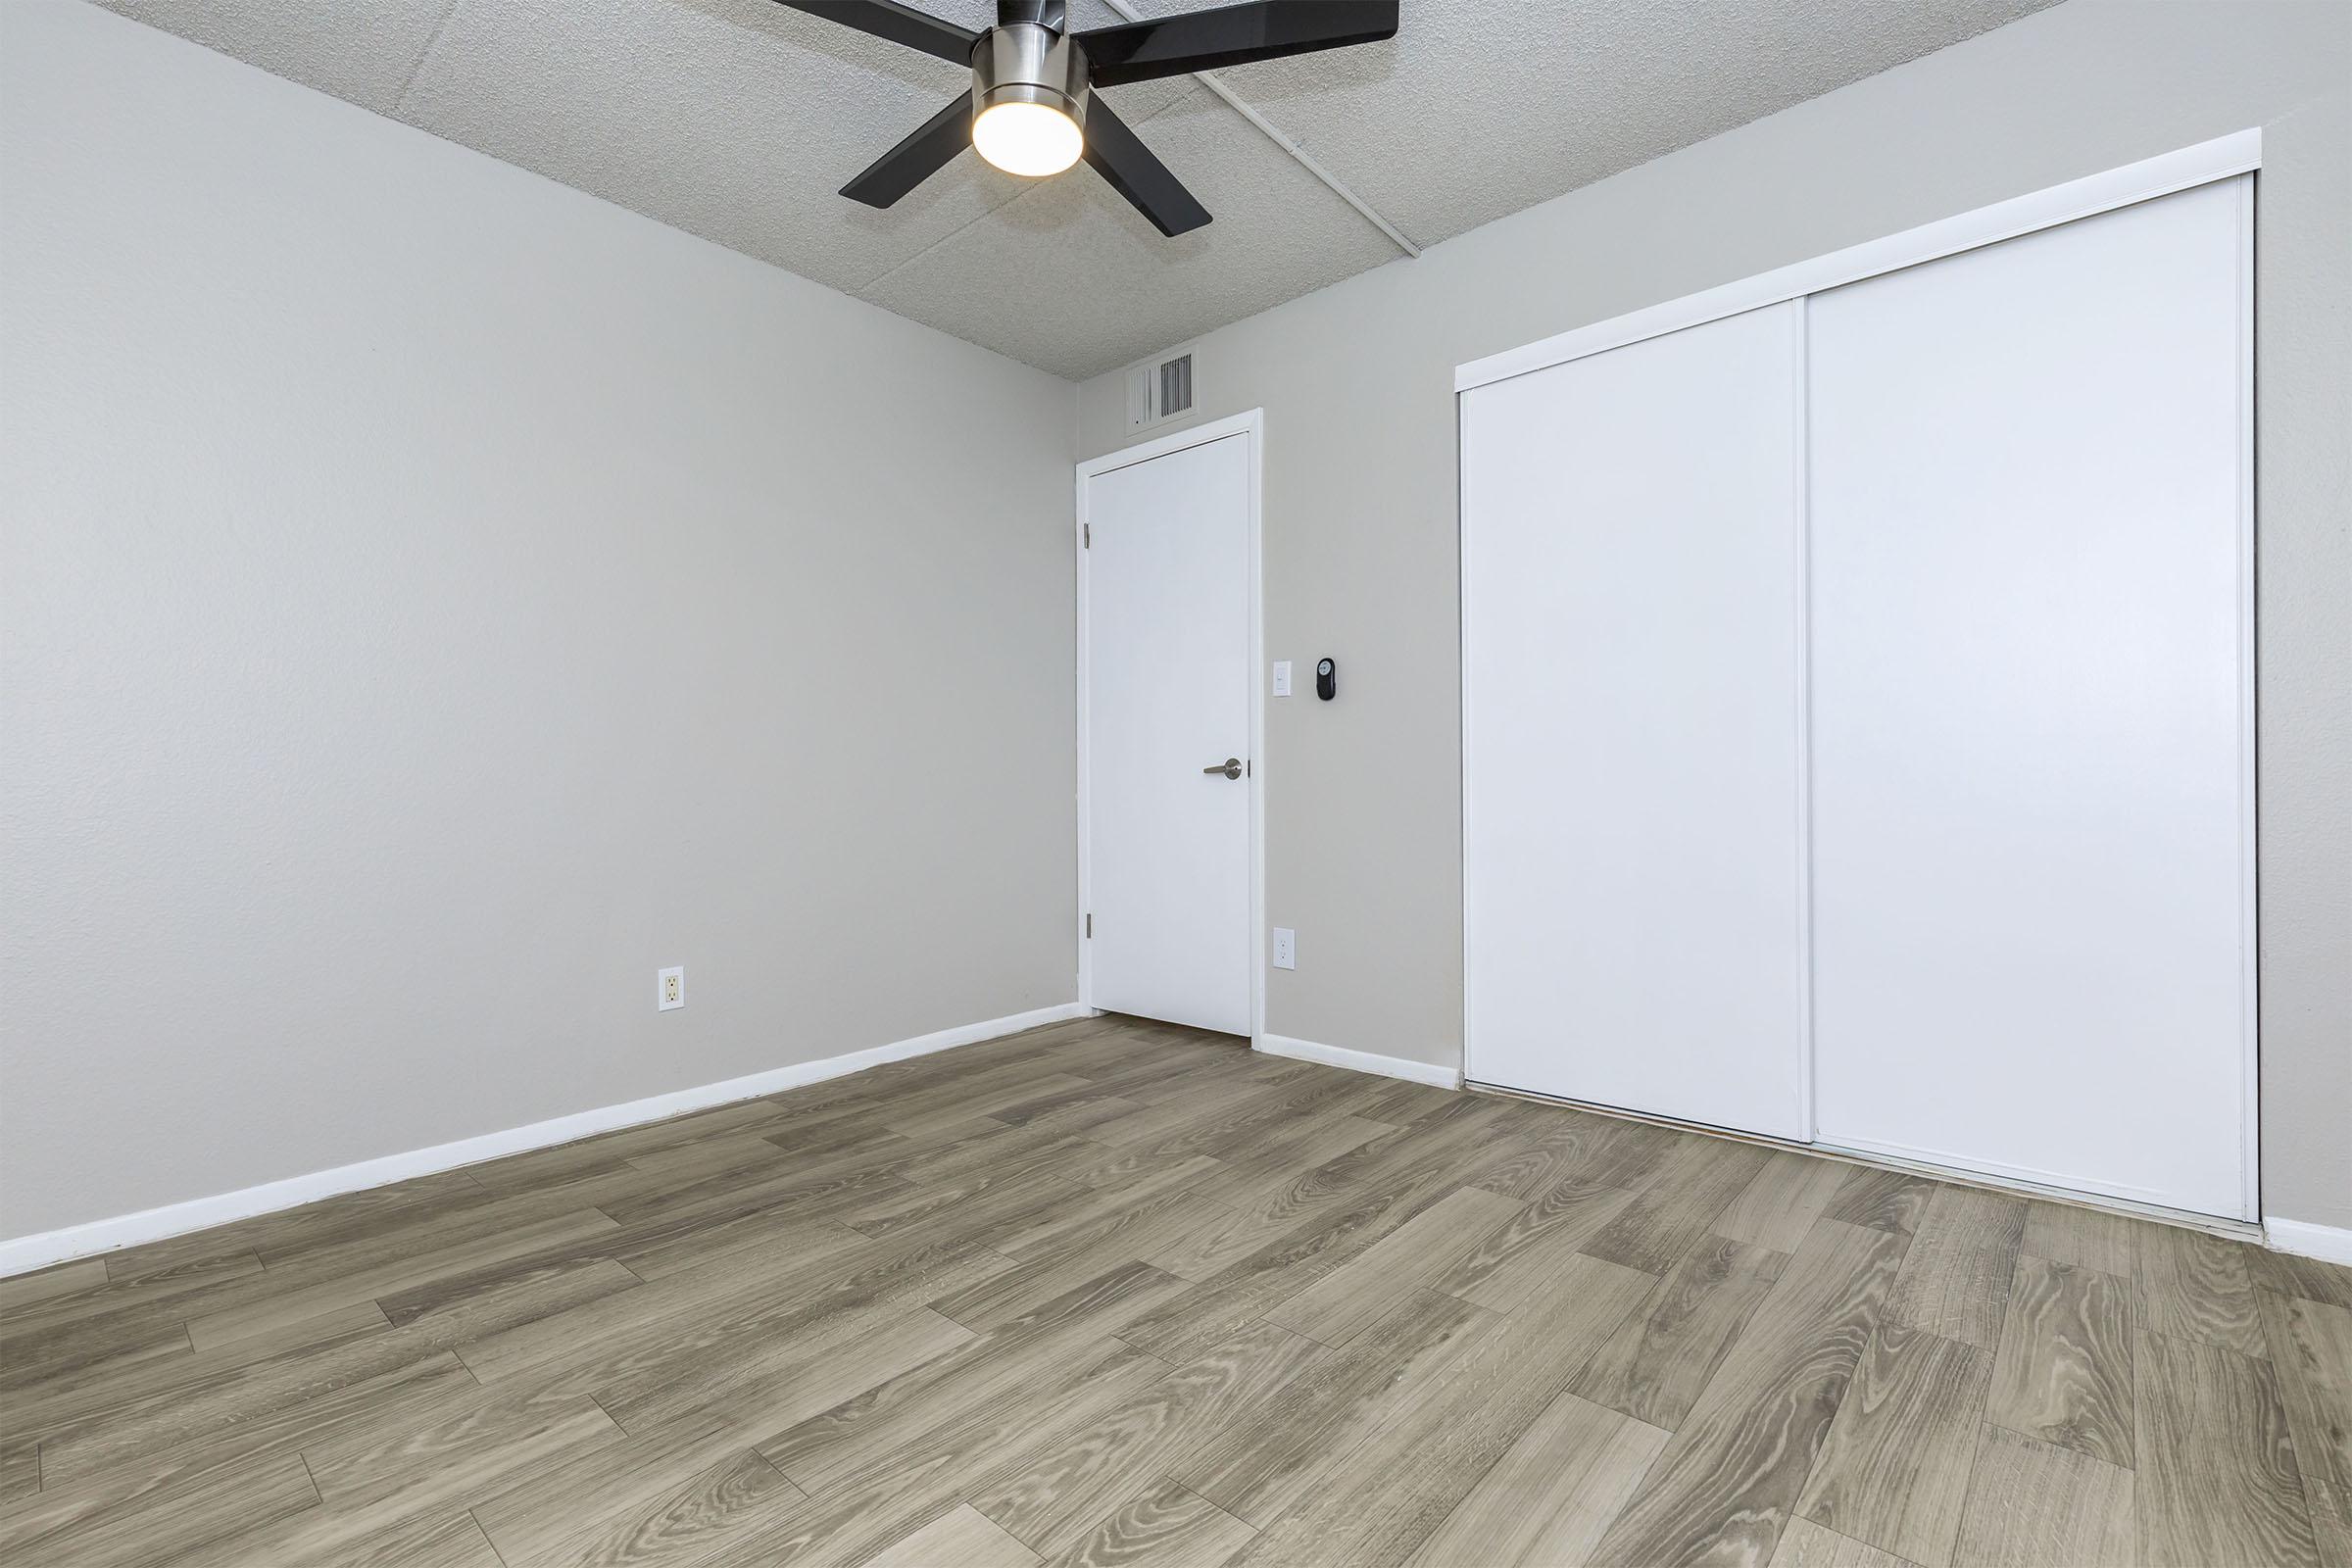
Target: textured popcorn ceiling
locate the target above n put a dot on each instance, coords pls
(739, 119)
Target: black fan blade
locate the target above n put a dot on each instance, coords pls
(1135, 174)
(923, 152)
(887, 19)
(1232, 35)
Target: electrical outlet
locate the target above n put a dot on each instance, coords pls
(1282, 677)
(1285, 948)
(669, 990)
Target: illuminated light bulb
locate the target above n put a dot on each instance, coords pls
(1028, 139)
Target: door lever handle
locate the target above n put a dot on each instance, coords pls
(1231, 768)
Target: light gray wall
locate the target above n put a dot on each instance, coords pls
(434, 599)
(1364, 795)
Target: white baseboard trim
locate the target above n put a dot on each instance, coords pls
(2330, 1244)
(1419, 1073)
(26, 1252)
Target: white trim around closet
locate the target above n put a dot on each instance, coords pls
(2206, 162)
(2249, 914)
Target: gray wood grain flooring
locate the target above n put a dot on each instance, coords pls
(1114, 1293)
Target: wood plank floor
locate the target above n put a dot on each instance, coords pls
(1115, 1292)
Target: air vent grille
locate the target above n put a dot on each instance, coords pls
(1161, 388)
(1176, 386)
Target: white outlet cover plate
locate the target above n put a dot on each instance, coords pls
(1282, 677)
(664, 997)
(1285, 948)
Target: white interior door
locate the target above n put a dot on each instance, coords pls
(1167, 654)
(1632, 571)
(2030, 732)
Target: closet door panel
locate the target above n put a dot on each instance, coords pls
(2030, 783)
(1632, 576)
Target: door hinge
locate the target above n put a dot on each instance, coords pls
(1086, 536)
(1089, 924)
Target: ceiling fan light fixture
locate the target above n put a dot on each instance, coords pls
(1031, 59)
(1029, 139)
(1029, 88)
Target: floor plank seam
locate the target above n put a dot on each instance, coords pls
(1865, 1545)
(1976, 1475)
(798, 1490)
(486, 1539)
(598, 1400)
(2035, 1437)
(1980, 1410)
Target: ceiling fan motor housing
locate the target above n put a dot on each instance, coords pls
(1027, 62)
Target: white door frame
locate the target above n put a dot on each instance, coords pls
(1253, 426)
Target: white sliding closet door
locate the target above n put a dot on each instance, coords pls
(2030, 736)
(1631, 584)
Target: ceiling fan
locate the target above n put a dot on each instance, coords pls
(1033, 110)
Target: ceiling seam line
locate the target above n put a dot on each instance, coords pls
(1308, 164)
(908, 260)
(1299, 154)
(431, 42)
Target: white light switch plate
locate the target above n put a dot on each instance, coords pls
(669, 990)
(1285, 948)
(1282, 677)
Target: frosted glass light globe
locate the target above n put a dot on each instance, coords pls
(1029, 139)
